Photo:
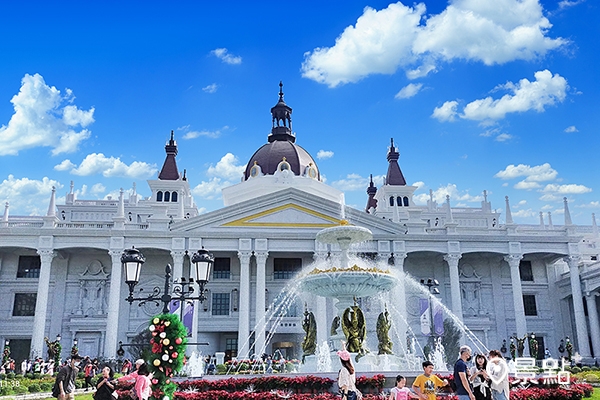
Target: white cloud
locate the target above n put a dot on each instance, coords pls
(223, 55)
(447, 112)
(439, 195)
(98, 163)
(566, 189)
(44, 117)
(382, 41)
(546, 90)
(205, 133)
(571, 129)
(419, 184)
(537, 173)
(524, 213)
(527, 185)
(522, 203)
(591, 204)
(212, 88)
(98, 188)
(210, 190)
(355, 182)
(409, 91)
(324, 154)
(503, 137)
(27, 196)
(563, 4)
(227, 168)
(550, 197)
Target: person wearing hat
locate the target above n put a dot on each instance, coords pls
(346, 376)
(64, 386)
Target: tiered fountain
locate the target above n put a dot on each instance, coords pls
(346, 283)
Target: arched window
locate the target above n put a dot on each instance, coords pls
(399, 201)
(405, 201)
(167, 196)
(392, 201)
(174, 197)
(159, 196)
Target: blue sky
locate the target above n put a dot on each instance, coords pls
(500, 96)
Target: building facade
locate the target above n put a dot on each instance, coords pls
(62, 274)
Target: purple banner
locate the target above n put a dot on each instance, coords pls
(425, 318)
(438, 319)
(188, 313)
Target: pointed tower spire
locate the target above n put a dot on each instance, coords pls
(371, 191)
(594, 225)
(568, 220)
(509, 220)
(542, 226)
(282, 120)
(52, 206)
(394, 174)
(169, 170)
(550, 225)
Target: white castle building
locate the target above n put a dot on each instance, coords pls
(62, 274)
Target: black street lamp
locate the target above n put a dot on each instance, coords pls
(132, 260)
(432, 286)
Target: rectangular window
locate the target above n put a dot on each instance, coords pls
(529, 305)
(286, 268)
(231, 345)
(220, 304)
(222, 268)
(526, 271)
(24, 305)
(29, 267)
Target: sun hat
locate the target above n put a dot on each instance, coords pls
(344, 354)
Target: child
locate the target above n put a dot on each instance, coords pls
(399, 392)
(426, 383)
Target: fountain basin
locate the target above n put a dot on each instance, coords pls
(348, 282)
(344, 234)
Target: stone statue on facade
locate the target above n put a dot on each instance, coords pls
(383, 328)
(335, 324)
(533, 346)
(521, 345)
(309, 344)
(355, 330)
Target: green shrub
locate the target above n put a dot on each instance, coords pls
(2, 377)
(575, 370)
(10, 375)
(34, 388)
(20, 389)
(221, 369)
(36, 375)
(592, 378)
(585, 369)
(46, 386)
(6, 390)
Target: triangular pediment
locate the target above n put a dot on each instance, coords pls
(286, 216)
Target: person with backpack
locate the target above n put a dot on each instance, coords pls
(64, 385)
(89, 372)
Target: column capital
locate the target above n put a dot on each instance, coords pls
(46, 255)
(177, 254)
(244, 256)
(513, 259)
(452, 257)
(573, 261)
(261, 256)
(115, 255)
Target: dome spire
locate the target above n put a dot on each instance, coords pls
(282, 120)
(371, 191)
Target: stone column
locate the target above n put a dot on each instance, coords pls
(244, 309)
(323, 325)
(178, 257)
(114, 301)
(594, 323)
(261, 285)
(513, 261)
(580, 323)
(452, 260)
(41, 303)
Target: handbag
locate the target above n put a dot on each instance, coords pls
(350, 395)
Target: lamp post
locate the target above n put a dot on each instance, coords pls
(503, 347)
(74, 349)
(432, 286)
(183, 291)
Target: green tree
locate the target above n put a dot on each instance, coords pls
(451, 341)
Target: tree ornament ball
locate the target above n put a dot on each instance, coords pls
(175, 354)
(156, 363)
(155, 321)
(166, 341)
(167, 323)
(178, 340)
(165, 357)
(163, 335)
(154, 381)
(152, 328)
